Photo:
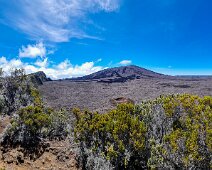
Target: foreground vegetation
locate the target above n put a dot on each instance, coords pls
(170, 132)
(31, 122)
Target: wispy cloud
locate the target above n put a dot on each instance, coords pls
(33, 51)
(54, 20)
(125, 62)
(62, 70)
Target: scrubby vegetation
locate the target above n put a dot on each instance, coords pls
(15, 91)
(171, 132)
(31, 122)
(118, 136)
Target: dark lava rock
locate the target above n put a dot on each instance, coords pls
(39, 78)
(121, 74)
(121, 100)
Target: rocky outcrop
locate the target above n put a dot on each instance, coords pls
(121, 100)
(39, 78)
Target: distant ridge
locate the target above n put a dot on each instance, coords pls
(121, 74)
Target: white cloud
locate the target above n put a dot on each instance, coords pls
(125, 62)
(63, 70)
(9, 65)
(42, 64)
(54, 20)
(3, 60)
(32, 51)
(64, 65)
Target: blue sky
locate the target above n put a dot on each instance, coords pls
(70, 38)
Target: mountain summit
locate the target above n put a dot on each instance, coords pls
(121, 74)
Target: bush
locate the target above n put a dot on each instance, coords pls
(32, 121)
(170, 132)
(29, 126)
(189, 142)
(58, 128)
(32, 124)
(179, 131)
(117, 136)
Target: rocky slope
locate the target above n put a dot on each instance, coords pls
(39, 78)
(121, 74)
(99, 91)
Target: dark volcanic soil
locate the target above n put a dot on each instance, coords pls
(97, 96)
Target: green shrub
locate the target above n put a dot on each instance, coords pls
(33, 123)
(30, 125)
(58, 128)
(34, 119)
(118, 136)
(170, 132)
(182, 132)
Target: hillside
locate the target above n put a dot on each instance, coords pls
(102, 90)
(121, 74)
